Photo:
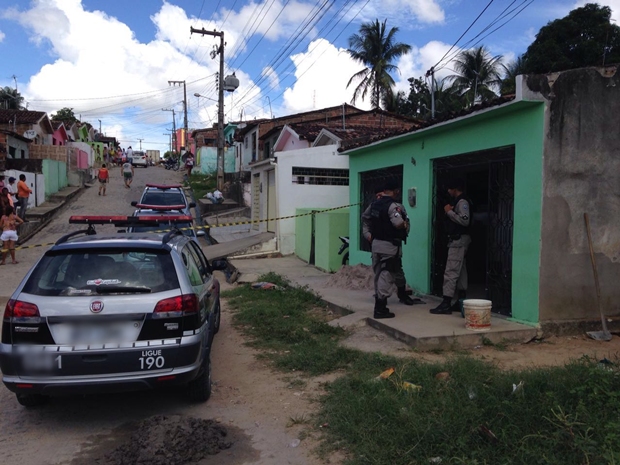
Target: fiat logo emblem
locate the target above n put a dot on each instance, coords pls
(96, 306)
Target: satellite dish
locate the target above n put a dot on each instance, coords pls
(30, 134)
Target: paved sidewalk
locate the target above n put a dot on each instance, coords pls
(413, 325)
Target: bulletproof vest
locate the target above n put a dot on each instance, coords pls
(452, 228)
(381, 225)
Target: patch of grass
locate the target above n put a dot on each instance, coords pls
(201, 184)
(559, 415)
(567, 415)
(285, 323)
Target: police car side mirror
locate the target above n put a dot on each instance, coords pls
(192, 205)
(134, 203)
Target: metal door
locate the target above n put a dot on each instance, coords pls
(496, 218)
(256, 201)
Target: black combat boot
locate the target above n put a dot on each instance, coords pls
(458, 305)
(403, 296)
(381, 310)
(444, 308)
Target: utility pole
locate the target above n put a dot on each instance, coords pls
(220, 112)
(431, 73)
(170, 138)
(140, 143)
(185, 137)
(99, 126)
(174, 128)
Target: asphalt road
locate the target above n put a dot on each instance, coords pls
(248, 400)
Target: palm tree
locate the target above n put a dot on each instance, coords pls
(478, 75)
(376, 50)
(10, 99)
(512, 70)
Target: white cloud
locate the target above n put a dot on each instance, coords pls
(2, 36)
(271, 75)
(322, 74)
(400, 12)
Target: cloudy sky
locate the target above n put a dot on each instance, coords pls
(111, 60)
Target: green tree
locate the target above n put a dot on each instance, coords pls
(512, 70)
(395, 102)
(10, 99)
(376, 49)
(477, 75)
(419, 104)
(65, 115)
(586, 37)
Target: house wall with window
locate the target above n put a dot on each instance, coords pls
(309, 178)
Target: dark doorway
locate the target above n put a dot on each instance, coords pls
(489, 177)
(370, 183)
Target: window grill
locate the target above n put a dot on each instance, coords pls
(320, 176)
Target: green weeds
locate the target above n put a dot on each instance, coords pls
(201, 184)
(478, 414)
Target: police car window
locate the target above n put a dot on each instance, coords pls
(192, 268)
(205, 270)
(92, 271)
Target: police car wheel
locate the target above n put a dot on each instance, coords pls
(31, 400)
(199, 390)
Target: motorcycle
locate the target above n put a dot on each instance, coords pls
(343, 247)
(171, 164)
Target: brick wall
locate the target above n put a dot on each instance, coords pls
(49, 152)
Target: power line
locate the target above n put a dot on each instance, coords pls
(466, 30)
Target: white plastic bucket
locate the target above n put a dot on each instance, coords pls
(477, 314)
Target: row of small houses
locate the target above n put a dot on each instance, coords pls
(51, 154)
(533, 162)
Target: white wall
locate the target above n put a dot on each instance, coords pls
(292, 196)
(294, 143)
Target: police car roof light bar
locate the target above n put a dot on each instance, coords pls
(165, 186)
(128, 220)
(161, 208)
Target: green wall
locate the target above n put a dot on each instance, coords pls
(519, 124)
(328, 226)
(55, 173)
(303, 234)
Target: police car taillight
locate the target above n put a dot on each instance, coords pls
(176, 306)
(18, 309)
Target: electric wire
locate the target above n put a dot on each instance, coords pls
(463, 34)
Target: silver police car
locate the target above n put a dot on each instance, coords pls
(112, 313)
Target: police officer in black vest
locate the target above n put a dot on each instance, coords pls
(457, 221)
(385, 225)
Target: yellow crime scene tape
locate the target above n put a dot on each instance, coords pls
(210, 226)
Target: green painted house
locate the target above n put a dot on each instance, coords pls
(533, 165)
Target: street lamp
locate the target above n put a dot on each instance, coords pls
(202, 96)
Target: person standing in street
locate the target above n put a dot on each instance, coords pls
(8, 224)
(127, 173)
(23, 193)
(386, 226)
(189, 164)
(130, 155)
(457, 221)
(104, 178)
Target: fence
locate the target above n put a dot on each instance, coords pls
(234, 186)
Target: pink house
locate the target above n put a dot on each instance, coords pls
(59, 136)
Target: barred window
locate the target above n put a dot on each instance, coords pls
(321, 176)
